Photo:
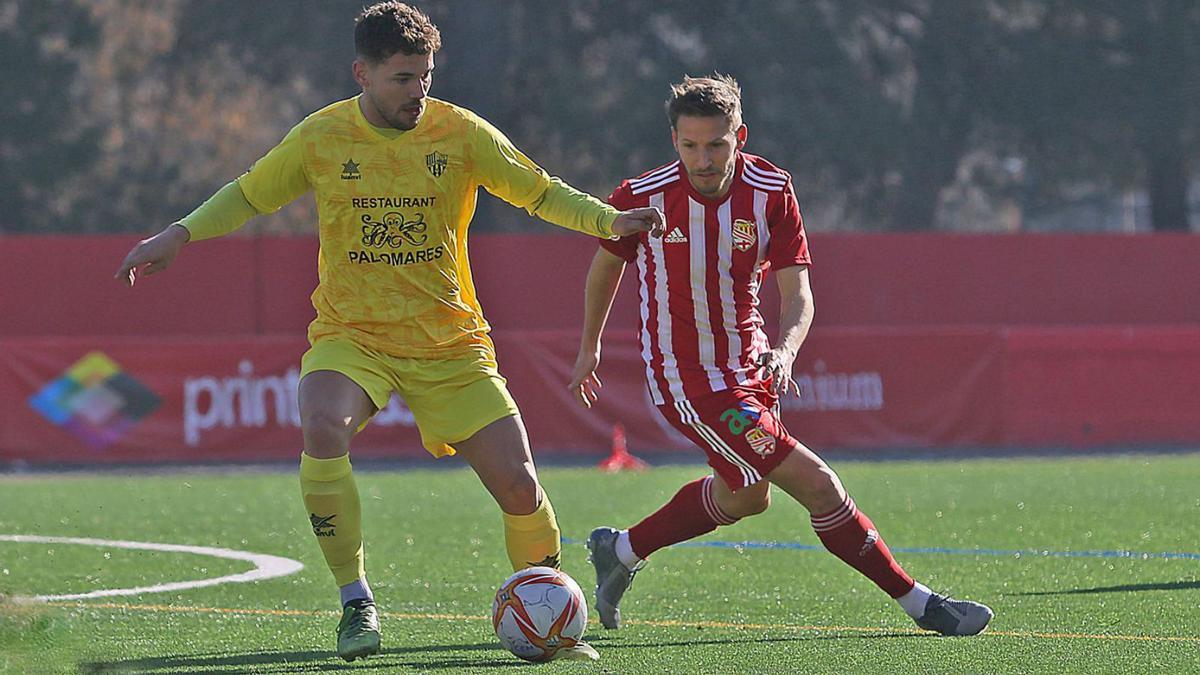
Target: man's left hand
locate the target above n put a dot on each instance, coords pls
(775, 366)
(645, 219)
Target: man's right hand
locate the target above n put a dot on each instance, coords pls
(153, 255)
(585, 384)
(643, 219)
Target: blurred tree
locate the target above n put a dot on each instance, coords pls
(1107, 91)
(931, 66)
(42, 142)
(184, 108)
(891, 114)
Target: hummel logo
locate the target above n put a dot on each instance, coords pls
(675, 236)
(872, 537)
(551, 560)
(350, 171)
(323, 525)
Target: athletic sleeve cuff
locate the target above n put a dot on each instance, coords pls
(567, 207)
(222, 213)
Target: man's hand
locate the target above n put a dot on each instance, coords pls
(645, 219)
(775, 367)
(154, 254)
(585, 384)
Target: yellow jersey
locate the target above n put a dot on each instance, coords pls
(394, 208)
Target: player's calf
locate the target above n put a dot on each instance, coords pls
(748, 501)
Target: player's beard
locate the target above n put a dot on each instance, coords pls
(724, 180)
(405, 120)
(402, 120)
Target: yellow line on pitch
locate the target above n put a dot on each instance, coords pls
(666, 623)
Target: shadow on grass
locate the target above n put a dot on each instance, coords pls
(604, 643)
(303, 662)
(319, 661)
(1125, 588)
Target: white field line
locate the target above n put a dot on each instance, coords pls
(265, 566)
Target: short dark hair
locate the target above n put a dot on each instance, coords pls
(718, 95)
(385, 28)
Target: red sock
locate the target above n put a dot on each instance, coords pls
(850, 535)
(690, 513)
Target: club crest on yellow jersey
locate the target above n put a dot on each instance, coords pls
(436, 163)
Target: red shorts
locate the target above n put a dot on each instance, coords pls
(739, 431)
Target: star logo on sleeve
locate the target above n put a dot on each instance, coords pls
(350, 170)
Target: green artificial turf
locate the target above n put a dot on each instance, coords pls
(435, 555)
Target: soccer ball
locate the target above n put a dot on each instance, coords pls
(539, 611)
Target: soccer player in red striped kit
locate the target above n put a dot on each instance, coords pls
(710, 368)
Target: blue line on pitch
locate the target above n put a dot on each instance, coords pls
(1006, 553)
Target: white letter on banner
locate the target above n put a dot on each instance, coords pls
(193, 420)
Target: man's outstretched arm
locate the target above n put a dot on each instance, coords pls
(795, 318)
(568, 207)
(274, 180)
(222, 213)
(507, 173)
(603, 279)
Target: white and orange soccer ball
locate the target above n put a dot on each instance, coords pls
(539, 611)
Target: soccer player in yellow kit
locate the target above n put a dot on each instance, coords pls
(395, 175)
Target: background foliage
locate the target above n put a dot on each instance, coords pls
(994, 115)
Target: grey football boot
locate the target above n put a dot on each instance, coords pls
(358, 631)
(954, 617)
(612, 576)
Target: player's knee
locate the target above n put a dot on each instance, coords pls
(326, 435)
(749, 502)
(518, 494)
(823, 491)
(756, 503)
(826, 483)
(760, 504)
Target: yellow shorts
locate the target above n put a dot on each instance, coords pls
(451, 399)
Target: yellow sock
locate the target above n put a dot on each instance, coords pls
(533, 540)
(333, 508)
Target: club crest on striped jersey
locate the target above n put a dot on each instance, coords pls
(760, 441)
(745, 235)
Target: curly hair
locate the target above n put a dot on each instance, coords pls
(385, 28)
(718, 95)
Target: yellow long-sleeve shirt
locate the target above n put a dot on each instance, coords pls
(394, 208)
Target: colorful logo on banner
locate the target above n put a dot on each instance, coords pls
(95, 401)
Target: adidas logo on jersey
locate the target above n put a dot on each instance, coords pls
(675, 236)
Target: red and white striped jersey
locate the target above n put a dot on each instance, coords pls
(701, 330)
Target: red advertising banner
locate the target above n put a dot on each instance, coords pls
(244, 286)
(96, 400)
(1124, 386)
